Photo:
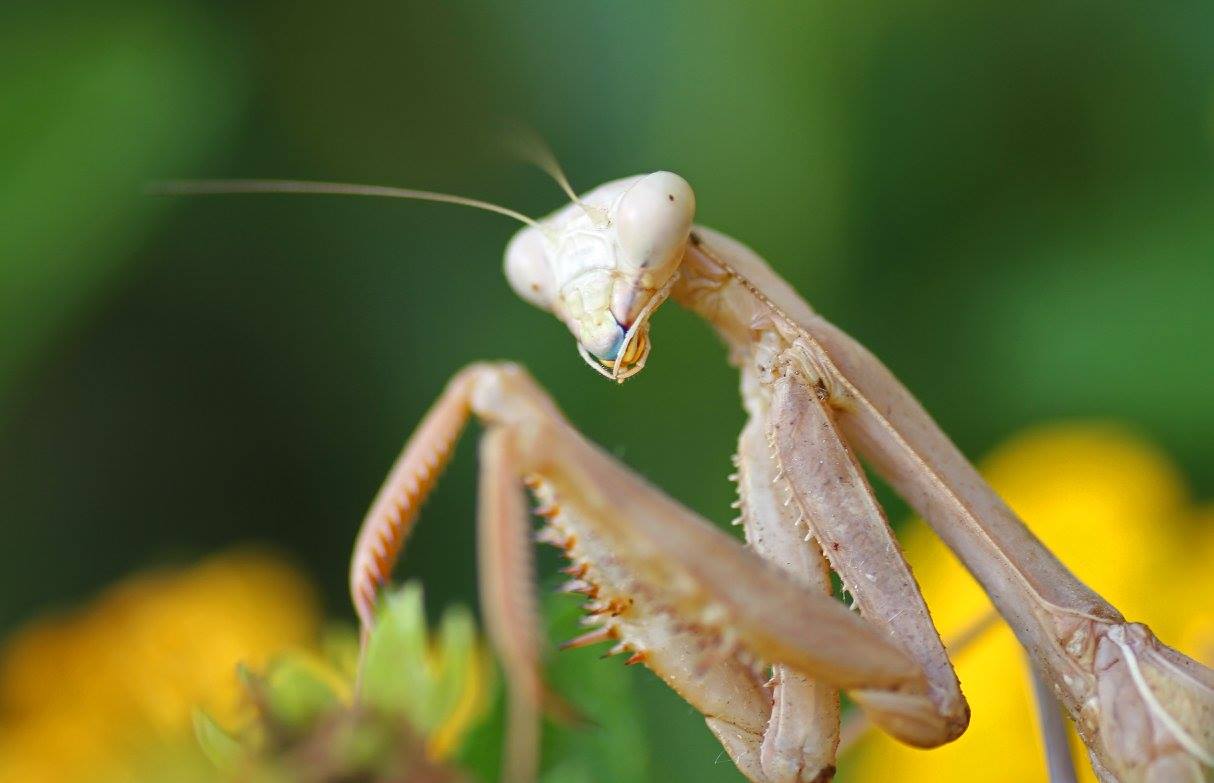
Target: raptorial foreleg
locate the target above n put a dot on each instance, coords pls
(686, 599)
(825, 483)
(801, 738)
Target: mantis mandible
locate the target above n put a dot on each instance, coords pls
(750, 635)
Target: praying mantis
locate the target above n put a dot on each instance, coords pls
(750, 635)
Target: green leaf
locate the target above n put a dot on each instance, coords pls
(395, 670)
(455, 655)
(406, 673)
(299, 691)
(570, 771)
(222, 749)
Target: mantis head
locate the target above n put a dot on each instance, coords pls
(604, 263)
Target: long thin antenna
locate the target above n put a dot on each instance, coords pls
(528, 145)
(206, 187)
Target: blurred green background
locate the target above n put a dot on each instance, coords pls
(1012, 204)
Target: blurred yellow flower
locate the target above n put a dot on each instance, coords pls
(94, 694)
(1117, 511)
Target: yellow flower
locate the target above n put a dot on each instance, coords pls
(94, 694)
(1192, 590)
(1116, 510)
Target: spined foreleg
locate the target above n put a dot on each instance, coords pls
(686, 599)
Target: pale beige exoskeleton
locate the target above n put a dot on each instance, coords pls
(706, 614)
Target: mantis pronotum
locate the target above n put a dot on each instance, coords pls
(751, 636)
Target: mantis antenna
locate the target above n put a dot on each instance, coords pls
(528, 145)
(199, 187)
(525, 142)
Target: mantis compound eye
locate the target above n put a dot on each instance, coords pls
(653, 220)
(528, 269)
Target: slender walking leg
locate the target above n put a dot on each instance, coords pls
(1055, 741)
(1145, 711)
(507, 591)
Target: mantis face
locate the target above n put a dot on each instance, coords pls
(603, 264)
